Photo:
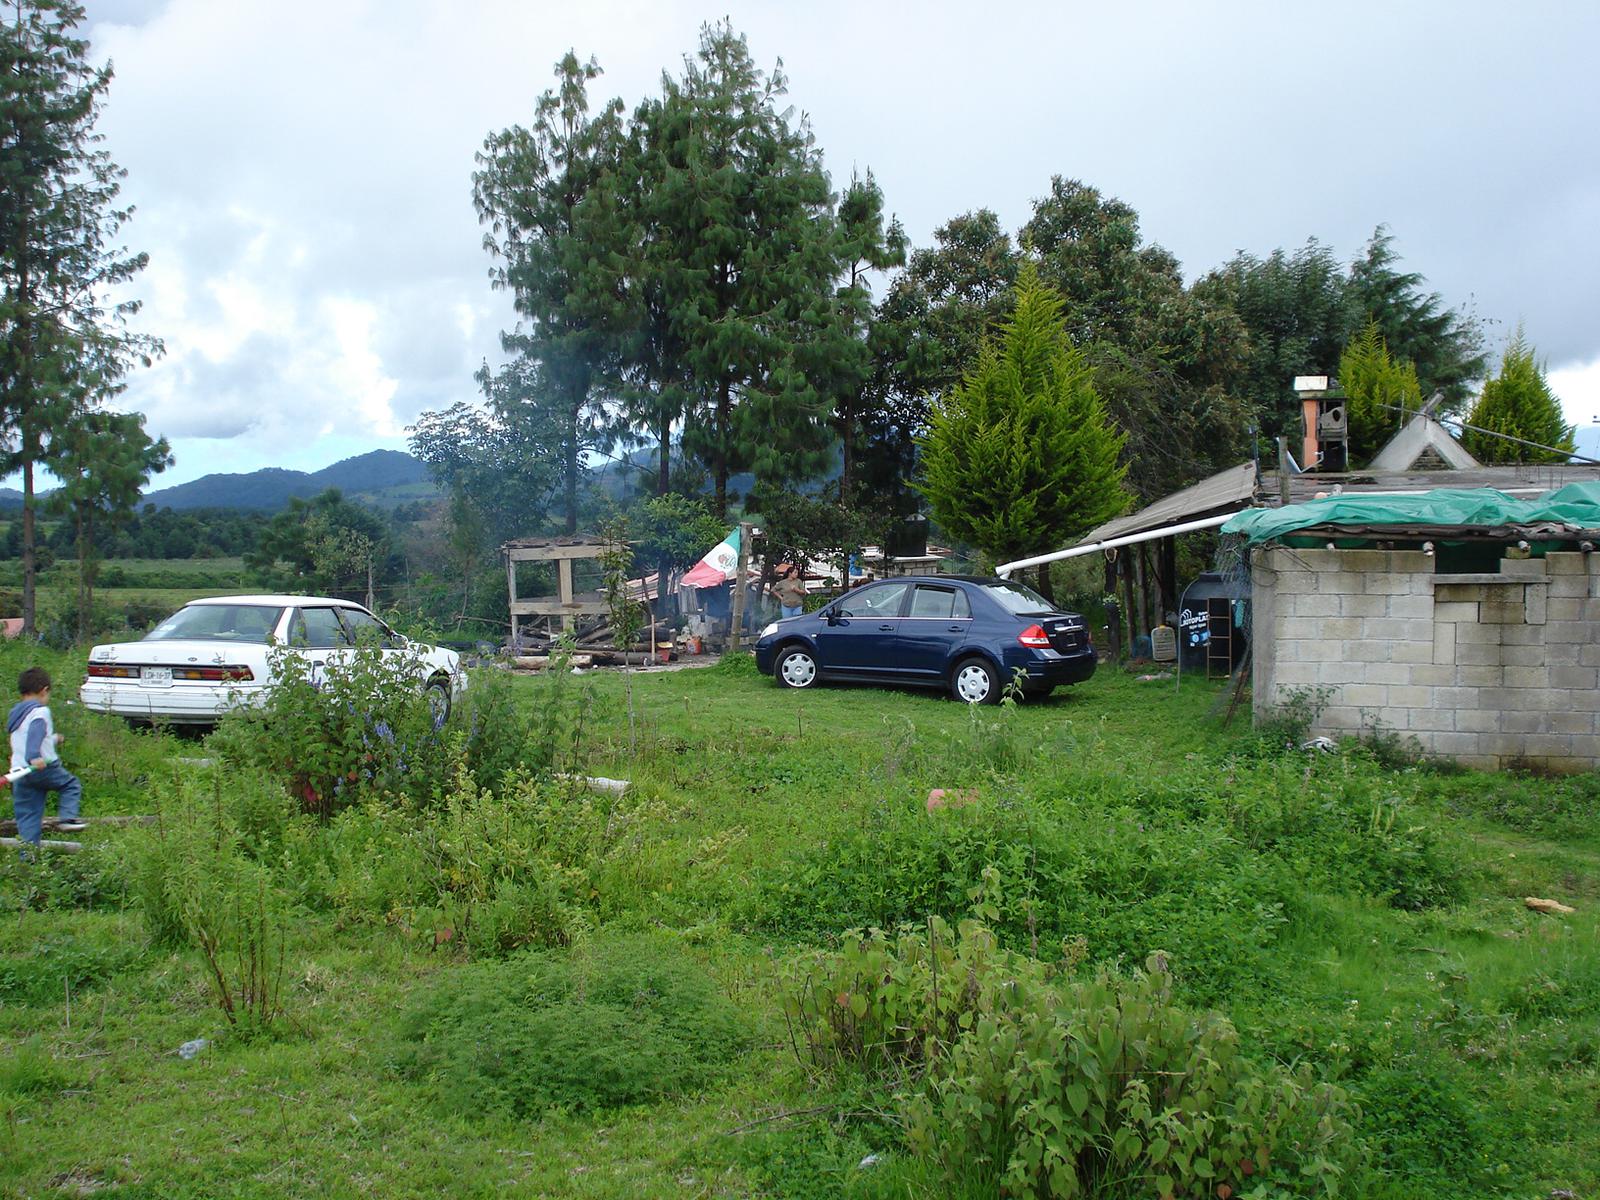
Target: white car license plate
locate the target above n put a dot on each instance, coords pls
(155, 676)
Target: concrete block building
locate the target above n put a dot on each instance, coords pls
(1492, 668)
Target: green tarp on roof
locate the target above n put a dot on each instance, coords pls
(1575, 506)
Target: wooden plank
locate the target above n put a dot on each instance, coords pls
(552, 553)
(554, 608)
(59, 847)
(8, 826)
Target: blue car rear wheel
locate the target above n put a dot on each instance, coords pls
(975, 682)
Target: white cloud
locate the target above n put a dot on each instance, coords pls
(1578, 387)
(302, 170)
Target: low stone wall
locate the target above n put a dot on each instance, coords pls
(1490, 670)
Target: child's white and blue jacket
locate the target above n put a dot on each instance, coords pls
(33, 734)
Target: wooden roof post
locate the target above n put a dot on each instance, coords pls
(511, 588)
(739, 573)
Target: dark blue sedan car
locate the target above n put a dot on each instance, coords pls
(970, 635)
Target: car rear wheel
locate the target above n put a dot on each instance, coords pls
(975, 682)
(796, 668)
(438, 696)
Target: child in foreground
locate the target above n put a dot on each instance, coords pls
(33, 747)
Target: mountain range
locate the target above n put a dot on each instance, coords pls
(384, 478)
(381, 478)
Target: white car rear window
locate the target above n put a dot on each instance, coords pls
(218, 623)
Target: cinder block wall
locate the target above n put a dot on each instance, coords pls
(1489, 670)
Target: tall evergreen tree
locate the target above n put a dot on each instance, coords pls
(1381, 393)
(1443, 344)
(839, 361)
(530, 188)
(1518, 402)
(926, 332)
(63, 345)
(1296, 321)
(1167, 359)
(1021, 455)
(740, 228)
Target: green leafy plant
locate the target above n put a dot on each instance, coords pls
(199, 886)
(1020, 1080)
(332, 737)
(538, 733)
(626, 615)
(1296, 711)
(61, 965)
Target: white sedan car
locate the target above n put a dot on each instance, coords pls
(212, 655)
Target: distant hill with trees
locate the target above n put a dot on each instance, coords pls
(380, 478)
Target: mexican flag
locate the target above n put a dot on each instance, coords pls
(717, 567)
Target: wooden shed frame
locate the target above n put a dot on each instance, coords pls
(563, 552)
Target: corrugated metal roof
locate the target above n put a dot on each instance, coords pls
(1225, 491)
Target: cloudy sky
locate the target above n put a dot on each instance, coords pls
(302, 170)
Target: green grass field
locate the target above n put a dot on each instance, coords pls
(1348, 912)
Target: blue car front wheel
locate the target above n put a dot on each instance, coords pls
(796, 668)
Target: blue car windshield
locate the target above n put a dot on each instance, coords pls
(1015, 598)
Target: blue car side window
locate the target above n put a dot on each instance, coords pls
(877, 600)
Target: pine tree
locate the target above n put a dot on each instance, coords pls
(1518, 402)
(530, 188)
(1021, 456)
(927, 330)
(64, 346)
(1444, 345)
(839, 360)
(737, 226)
(1381, 394)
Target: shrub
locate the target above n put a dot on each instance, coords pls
(622, 1021)
(1564, 809)
(93, 879)
(1297, 710)
(493, 873)
(331, 738)
(1019, 1081)
(198, 886)
(1338, 827)
(507, 730)
(1423, 1128)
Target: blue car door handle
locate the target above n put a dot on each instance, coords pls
(885, 627)
(954, 629)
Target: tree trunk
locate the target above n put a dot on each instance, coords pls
(1169, 575)
(1147, 606)
(740, 570)
(569, 465)
(847, 467)
(1113, 618)
(29, 557)
(85, 577)
(664, 451)
(1125, 568)
(719, 453)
